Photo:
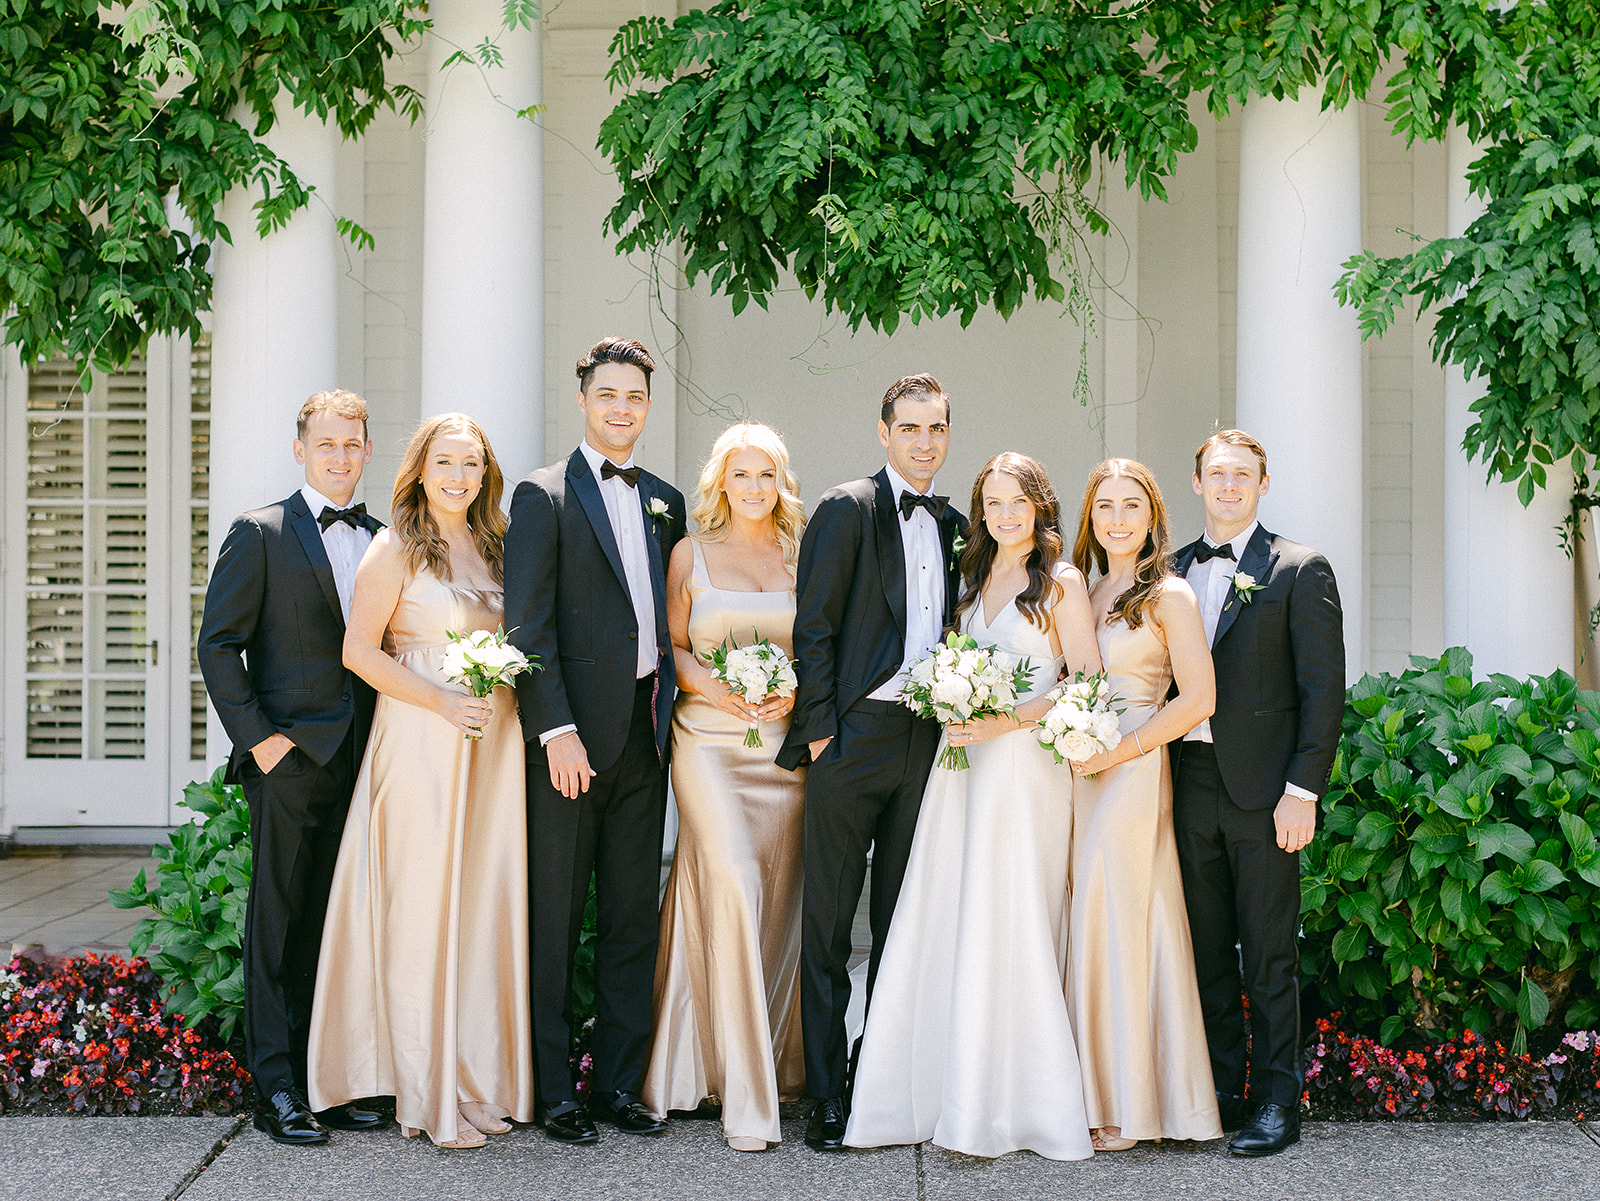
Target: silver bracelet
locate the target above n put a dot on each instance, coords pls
(1139, 744)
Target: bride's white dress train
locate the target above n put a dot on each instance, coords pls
(968, 1042)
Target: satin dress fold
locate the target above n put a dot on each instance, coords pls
(1131, 982)
(423, 987)
(967, 1038)
(727, 1022)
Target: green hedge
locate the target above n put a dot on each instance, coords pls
(1456, 880)
(195, 942)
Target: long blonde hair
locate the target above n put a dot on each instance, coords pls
(1155, 556)
(419, 532)
(710, 512)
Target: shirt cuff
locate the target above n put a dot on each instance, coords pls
(550, 736)
(1296, 790)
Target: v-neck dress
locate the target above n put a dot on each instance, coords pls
(967, 1041)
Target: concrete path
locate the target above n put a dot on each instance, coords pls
(212, 1159)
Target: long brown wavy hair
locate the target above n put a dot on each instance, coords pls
(1155, 556)
(1034, 601)
(419, 532)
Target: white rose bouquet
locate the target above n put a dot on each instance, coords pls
(483, 661)
(960, 680)
(1081, 722)
(754, 672)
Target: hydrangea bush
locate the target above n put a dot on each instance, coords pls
(1455, 884)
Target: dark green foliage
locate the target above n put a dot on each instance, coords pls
(100, 121)
(924, 157)
(202, 882)
(1518, 296)
(583, 1005)
(1456, 881)
(872, 148)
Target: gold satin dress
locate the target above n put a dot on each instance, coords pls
(422, 991)
(1130, 966)
(727, 1022)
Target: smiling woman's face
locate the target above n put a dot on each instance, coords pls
(1007, 511)
(1121, 515)
(452, 473)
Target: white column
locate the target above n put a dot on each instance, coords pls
(1299, 370)
(483, 233)
(1508, 588)
(274, 335)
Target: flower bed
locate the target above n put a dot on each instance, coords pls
(1352, 1076)
(90, 1035)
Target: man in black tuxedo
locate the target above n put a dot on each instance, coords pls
(1248, 780)
(585, 590)
(271, 651)
(877, 583)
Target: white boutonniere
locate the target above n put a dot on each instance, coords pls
(658, 508)
(1245, 585)
(957, 545)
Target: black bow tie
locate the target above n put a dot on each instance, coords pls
(910, 502)
(630, 475)
(355, 516)
(1205, 551)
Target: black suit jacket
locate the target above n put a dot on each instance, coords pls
(1279, 660)
(567, 601)
(271, 644)
(850, 618)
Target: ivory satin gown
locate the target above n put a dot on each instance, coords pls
(727, 1024)
(967, 1040)
(423, 986)
(1131, 982)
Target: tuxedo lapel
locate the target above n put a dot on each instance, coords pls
(891, 553)
(587, 490)
(310, 535)
(652, 541)
(1256, 562)
(949, 529)
(1184, 559)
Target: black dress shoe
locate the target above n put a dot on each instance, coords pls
(825, 1127)
(629, 1115)
(1270, 1129)
(570, 1123)
(1233, 1110)
(348, 1117)
(285, 1117)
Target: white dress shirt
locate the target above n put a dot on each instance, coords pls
(924, 554)
(625, 508)
(1212, 581)
(345, 544)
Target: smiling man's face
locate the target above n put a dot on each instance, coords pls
(1231, 483)
(614, 406)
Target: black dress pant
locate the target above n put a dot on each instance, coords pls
(297, 814)
(614, 831)
(866, 791)
(1243, 897)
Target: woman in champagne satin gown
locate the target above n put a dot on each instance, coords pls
(424, 987)
(727, 974)
(968, 1041)
(1131, 982)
